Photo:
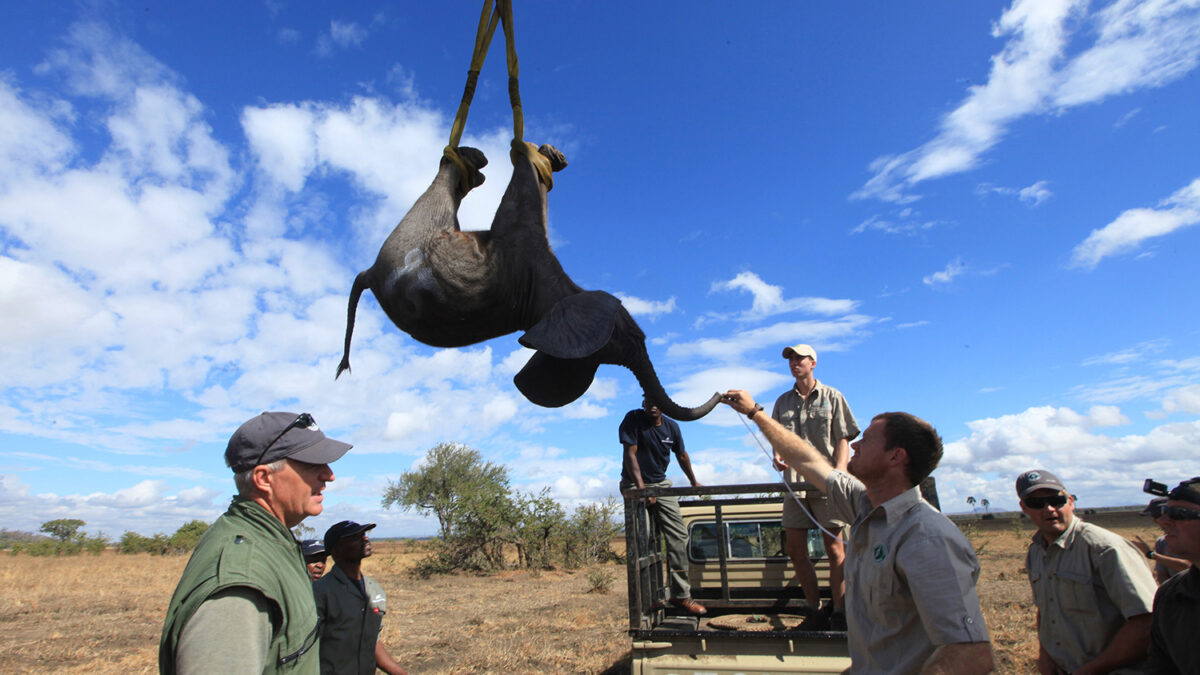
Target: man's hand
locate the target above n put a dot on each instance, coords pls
(777, 463)
(1140, 544)
(739, 399)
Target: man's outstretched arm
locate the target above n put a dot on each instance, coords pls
(795, 451)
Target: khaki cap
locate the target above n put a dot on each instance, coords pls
(800, 350)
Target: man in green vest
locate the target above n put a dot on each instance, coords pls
(244, 603)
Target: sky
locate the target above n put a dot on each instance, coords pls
(977, 212)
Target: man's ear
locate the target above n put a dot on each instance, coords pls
(262, 478)
(901, 456)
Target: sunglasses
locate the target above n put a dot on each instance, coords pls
(304, 421)
(1180, 513)
(1057, 501)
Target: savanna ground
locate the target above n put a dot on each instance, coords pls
(103, 614)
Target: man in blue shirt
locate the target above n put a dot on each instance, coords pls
(649, 439)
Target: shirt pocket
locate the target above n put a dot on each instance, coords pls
(1076, 595)
(887, 605)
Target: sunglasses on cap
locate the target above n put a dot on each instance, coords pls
(1057, 501)
(303, 421)
(1180, 513)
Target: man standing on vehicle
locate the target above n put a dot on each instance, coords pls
(351, 606)
(649, 438)
(1092, 588)
(911, 605)
(244, 603)
(1177, 603)
(819, 414)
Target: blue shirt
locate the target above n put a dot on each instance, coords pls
(654, 445)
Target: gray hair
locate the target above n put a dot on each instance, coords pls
(242, 478)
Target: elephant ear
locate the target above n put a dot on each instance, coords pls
(579, 325)
(552, 382)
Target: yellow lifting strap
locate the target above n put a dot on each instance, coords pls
(493, 11)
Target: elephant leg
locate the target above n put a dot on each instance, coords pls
(523, 207)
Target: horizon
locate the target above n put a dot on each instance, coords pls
(981, 213)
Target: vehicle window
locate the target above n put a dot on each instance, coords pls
(743, 540)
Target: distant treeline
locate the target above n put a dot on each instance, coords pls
(64, 537)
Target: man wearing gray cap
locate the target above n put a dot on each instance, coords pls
(819, 414)
(1092, 588)
(351, 606)
(1177, 603)
(244, 603)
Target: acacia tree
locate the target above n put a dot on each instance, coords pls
(971, 501)
(63, 529)
(451, 476)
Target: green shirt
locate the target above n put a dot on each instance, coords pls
(248, 548)
(350, 622)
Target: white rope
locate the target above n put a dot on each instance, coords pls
(783, 479)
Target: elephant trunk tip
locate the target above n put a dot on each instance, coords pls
(682, 414)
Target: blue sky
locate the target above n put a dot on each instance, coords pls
(977, 212)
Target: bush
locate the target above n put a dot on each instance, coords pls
(132, 542)
(599, 580)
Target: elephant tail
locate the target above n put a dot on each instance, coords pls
(360, 284)
(653, 389)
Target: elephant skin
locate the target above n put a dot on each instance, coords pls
(449, 288)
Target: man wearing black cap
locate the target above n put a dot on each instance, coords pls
(244, 603)
(351, 606)
(1165, 564)
(1092, 588)
(1177, 603)
(314, 557)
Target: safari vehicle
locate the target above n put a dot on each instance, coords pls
(738, 569)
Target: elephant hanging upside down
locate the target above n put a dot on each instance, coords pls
(449, 288)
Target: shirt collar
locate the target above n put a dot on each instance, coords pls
(895, 508)
(1065, 540)
(816, 386)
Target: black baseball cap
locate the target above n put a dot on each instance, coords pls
(1037, 479)
(1187, 491)
(275, 435)
(346, 528)
(312, 547)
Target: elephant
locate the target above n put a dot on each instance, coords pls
(449, 288)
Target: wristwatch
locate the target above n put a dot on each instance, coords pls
(1150, 554)
(757, 408)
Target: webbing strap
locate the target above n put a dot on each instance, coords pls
(495, 11)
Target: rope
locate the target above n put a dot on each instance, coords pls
(783, 479)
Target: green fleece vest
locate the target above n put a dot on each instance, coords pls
(248, 546)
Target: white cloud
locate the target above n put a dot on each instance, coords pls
(1184, 399)
(650, 309)
(832, 335)
(954, 269)
(1129, 45)
(1126, 356)
(1131, 228)
(341, 35)
(768, 300)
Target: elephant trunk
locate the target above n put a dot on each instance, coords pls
(643, 370)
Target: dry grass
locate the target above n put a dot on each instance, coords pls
(103, 614)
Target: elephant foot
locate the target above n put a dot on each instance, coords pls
(557, 161)
(468, 161)
(545, 160)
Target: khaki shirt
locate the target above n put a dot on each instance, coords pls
(822, 418)
(1085, 585)
(910, 579)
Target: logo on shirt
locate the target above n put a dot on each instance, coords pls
(880, 554)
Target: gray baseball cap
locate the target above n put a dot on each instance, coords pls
(1038, 479)
(277, 435)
